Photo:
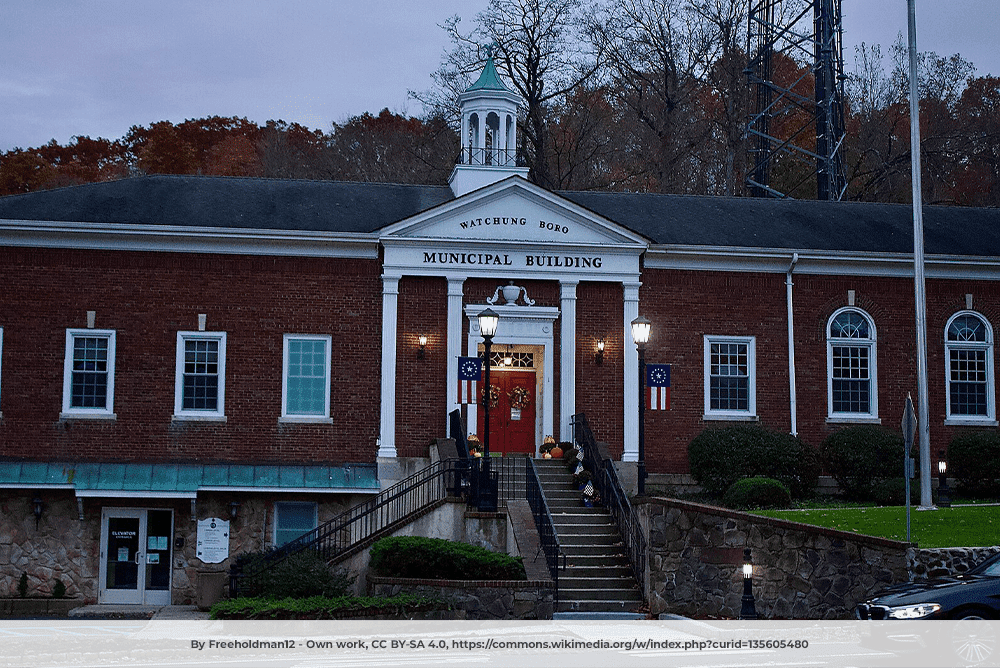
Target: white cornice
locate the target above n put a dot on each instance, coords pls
(776, 260)
(184, 239)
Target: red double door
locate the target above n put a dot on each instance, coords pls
(512, 417)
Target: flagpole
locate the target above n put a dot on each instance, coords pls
(920, 295)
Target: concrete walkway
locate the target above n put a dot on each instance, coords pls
(185, 612)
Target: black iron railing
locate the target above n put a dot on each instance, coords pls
(554, 557)
(360, 525)
(491, 157)
(613, 496)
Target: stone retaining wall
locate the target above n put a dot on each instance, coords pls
(946, 561)
(476, 599)
(695, 556)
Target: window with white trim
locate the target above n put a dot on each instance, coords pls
(89, 373)
(292, 519)
(968, 345)
(200, 386)
(730, 378)
(851, 362)
(305, 383)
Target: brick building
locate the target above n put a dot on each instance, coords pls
(175, 349)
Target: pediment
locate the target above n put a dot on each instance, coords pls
(513, 211)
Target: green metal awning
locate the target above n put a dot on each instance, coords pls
(186, 480)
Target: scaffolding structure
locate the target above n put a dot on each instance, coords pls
(794, 133)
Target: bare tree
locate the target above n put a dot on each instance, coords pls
(538, 47)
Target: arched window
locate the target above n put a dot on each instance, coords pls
(852, 382)
(968, 344)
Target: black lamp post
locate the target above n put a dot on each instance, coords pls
(748, 610)
(640, 334)
(944, 497)
(487, 494)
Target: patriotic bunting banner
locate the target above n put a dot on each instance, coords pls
(658, 382)
(469, 371)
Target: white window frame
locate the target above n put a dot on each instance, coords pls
(871, 343)
(278, 504)
(981, 420)
(297, 417)
(750, 413)
(180, 413)
(69, 411)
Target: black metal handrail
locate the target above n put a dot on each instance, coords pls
(613, 496)
(360, 524)
(543, 522)
(491, 157)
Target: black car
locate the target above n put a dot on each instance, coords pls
(972, 595)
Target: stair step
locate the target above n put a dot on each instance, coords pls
(621, 595)
(596, 581)
(598, 606)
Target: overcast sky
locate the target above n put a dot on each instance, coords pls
(97, 67)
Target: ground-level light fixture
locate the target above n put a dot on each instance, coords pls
(944, 492)
(748, 609)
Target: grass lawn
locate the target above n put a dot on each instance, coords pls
(966, 526)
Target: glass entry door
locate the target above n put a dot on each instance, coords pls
(135, 556)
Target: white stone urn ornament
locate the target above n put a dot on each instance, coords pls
(511, 293)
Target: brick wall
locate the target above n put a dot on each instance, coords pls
(599, 314)
(147, 298)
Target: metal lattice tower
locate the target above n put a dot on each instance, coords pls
(785, 152)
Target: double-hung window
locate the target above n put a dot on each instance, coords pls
(969, 352)
(305, 384)
(89, 374)
(852, 384)
(730, 378)
(200, 386)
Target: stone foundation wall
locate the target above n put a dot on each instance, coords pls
(801, 572)
(65, 547)
(476, 599)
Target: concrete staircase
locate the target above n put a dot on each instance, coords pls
(598, 577)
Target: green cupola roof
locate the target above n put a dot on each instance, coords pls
(489, 79)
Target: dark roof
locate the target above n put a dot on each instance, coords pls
(796, 224)
(281, 204)
(338, 206)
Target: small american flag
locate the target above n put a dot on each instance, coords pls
(469, 371)
(658, 382)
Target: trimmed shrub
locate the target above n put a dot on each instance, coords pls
(892, 492)
(757, 492)
(974, 462)
(439, 559)
(720, 457)
(59, 589)
(301, 575)
(861, 459)
(22, 586)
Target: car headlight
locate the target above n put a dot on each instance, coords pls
(916, 611)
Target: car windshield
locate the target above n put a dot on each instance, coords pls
(990, 567)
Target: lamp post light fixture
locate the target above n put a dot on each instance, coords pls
(748, 609)
(488, 321)
(944, 492)
(640, 334)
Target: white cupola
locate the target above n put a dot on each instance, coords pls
(489, 133)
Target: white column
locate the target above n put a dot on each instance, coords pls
(567, 359)
(455, 295)
(390, 301)
(631, 389)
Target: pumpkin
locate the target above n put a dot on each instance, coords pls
(556, 452)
